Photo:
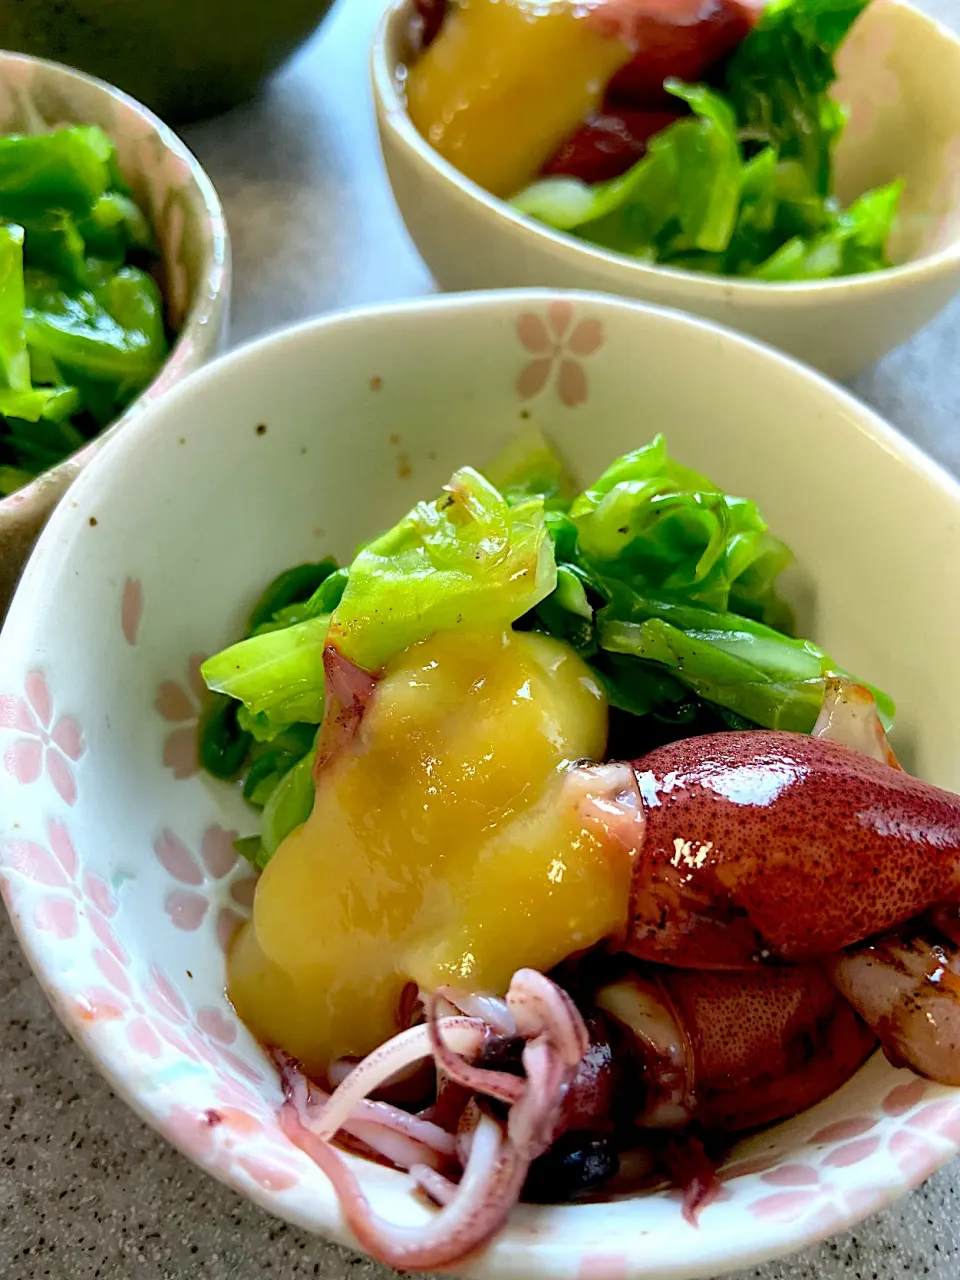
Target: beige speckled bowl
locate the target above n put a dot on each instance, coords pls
(186, 216)
(899, 72)
(116, 856)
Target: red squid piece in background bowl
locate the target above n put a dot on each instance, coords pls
(427, 21)
(608, 144)
(679, 38)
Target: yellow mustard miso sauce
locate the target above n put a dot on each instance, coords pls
(443, 847)
(507, 81)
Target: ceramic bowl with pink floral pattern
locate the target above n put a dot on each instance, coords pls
(185, 213)
(897, 77)
(116, 857)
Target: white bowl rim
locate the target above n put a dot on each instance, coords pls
(869, 420)
(68, 524)
(216, 267)
(690, 284)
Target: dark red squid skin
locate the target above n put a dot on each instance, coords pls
(429, 16)
(608, 144)
(756, 1045)
(679, 38)
(764, 1044)
(760, 855)
(673, 38)
(762, 846)
(588, 1102)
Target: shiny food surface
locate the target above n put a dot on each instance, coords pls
(447, 844)
(506, 81)
(735, 868)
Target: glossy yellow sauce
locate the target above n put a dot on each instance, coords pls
(445, 846)
(506, 81)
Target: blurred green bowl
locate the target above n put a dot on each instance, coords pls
(185, 59)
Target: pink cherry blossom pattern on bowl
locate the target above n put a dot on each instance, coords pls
(219, 1138)
(945, 200)
(813, 1193)
(66, 892)
(868, 45)
(76, 906)
(180, 705)
(197, 879)
(131, 609)
(558, 344)
(44, 745)
(604, 1266)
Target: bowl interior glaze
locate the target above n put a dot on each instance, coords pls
(116, 861)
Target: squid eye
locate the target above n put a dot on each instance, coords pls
(502, 1054)
(576, 1163)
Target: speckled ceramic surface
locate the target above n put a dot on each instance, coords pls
(186, 216)
(115, 856)
(897, 75)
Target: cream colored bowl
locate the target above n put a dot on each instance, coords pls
(899, 77)
(116, 861)
(185, 213)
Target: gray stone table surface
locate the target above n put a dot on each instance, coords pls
(86, 1190)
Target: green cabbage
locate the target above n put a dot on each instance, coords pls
(743, 186)
(468, 559)
(665, 584)
(82, 328)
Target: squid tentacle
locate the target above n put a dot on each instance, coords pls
(496, 1160)
(466, 1034)
(487, 1192)
(495, 1084)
